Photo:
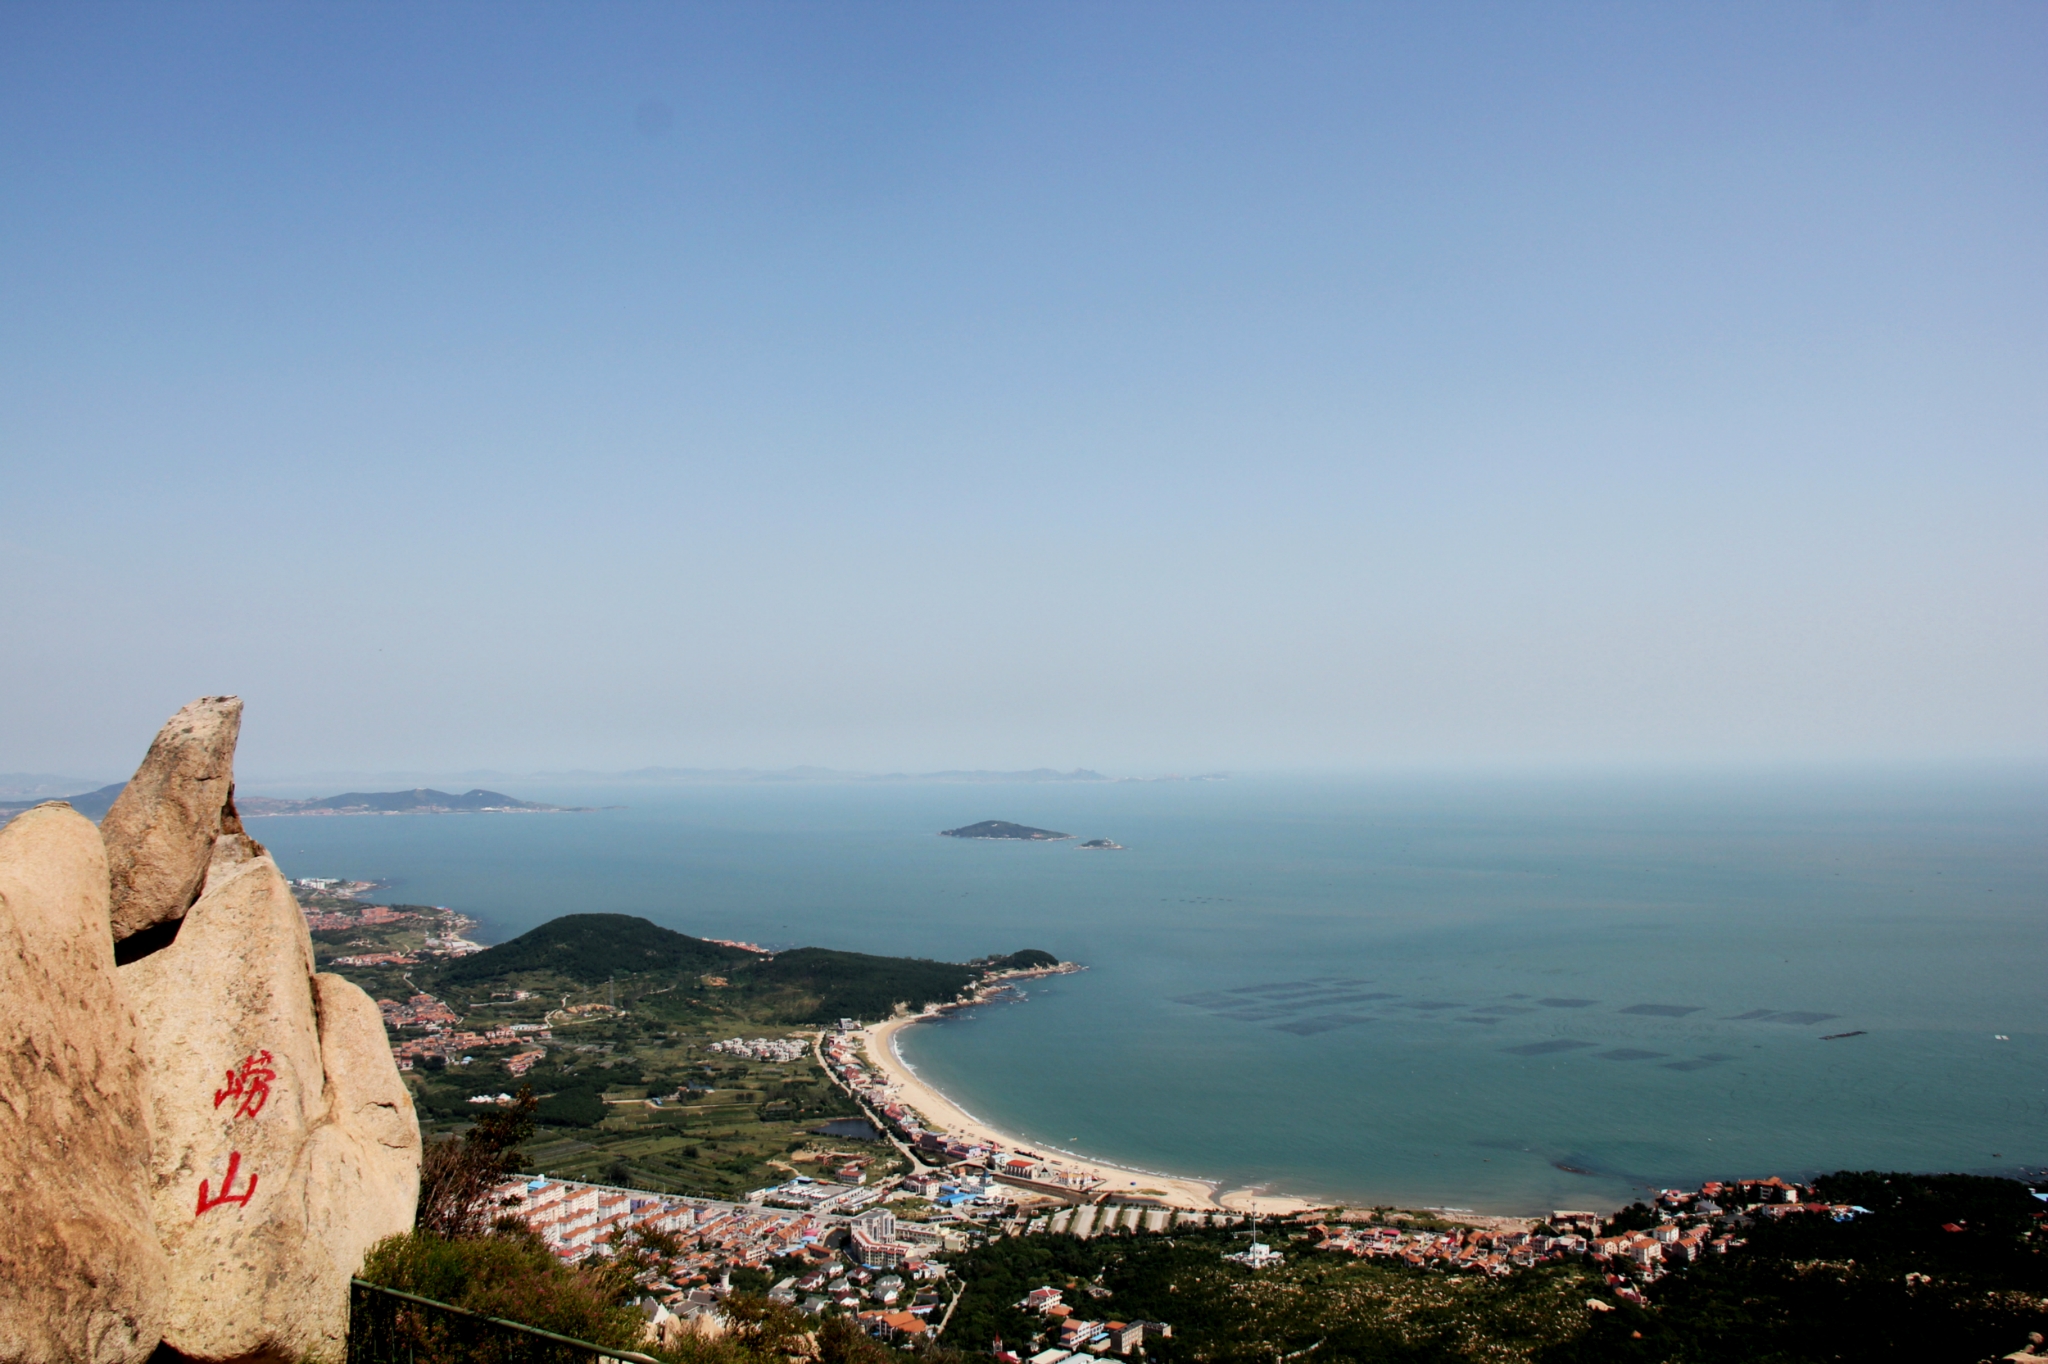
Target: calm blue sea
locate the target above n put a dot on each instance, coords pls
(1501, 995)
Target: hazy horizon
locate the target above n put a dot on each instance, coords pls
(1139, 387)
(578, 784)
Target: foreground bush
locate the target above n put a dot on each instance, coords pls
(509, 1275)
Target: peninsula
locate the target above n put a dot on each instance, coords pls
(1002, 828)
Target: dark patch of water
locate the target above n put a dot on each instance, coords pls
(1550, 1048)
(852, 1129)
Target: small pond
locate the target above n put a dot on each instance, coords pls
(857, 1129)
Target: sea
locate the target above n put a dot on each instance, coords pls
(1500, 994)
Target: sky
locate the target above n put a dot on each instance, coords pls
(1149, 387)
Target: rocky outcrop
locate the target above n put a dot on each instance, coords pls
(161, 829)
(82, 1276)
(285, 1141)
(363, 1166)
(197, 1146)
(236, 1089)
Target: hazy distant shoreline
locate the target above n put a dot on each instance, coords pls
(740, 776)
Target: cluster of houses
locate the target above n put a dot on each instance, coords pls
(383, 916)
(885, 1289)
(369, 916)
(1457, 1248)
(1690, 1225)
(574, 1219)
(377, 959)
(334, 885)
(1077, 1334)
(420, 1011)
(883, 1303)
(763, 1048)
(441, 1036)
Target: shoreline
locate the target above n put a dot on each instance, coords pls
(941, 1113)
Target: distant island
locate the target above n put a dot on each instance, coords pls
(422, 801)
(1104, 844)
(1002, 828)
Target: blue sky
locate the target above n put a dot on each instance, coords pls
(1148, 387)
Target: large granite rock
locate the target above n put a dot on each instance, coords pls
(82, 1277)
(271, 1176)
(161, 829)
(363, 1166)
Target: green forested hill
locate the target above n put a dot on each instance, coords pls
(816, 984)
(1030, 959)
(806, 985)
(589, 949)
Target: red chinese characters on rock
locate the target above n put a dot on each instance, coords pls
(248, 1084)
(207, 1204)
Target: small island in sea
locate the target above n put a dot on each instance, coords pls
(1104, 844)
(1002, 828)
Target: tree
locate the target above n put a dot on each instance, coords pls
(509, 1274)
(636, 1254)
(458, 1174)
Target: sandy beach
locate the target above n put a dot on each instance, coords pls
(943, 1114)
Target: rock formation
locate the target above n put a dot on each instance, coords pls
(363, 1166)
(285, 1141)
(197, 1147)
(81, 1272)
(160, 831)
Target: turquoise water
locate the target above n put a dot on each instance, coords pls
(1496, 995)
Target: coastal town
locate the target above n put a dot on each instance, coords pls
(878, 1252)
(332, 906)
(878, 1249)
(871, 1219)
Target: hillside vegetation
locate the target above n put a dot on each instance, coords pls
(677, 975)
(1942, 1269)
(817, 985)
(586, 950)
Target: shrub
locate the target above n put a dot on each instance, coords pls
(457, 1174)
(506, 1274)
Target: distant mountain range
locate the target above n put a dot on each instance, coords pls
(21, 790)
(17, 787)
(715, 775)
(420, 801)
(91, 804)
(797, 774)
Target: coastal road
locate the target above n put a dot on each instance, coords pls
(880, 1124)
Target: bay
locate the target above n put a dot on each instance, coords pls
(1501, 994)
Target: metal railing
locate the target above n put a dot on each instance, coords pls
(386, 1326)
